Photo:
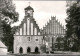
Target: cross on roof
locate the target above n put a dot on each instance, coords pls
(29, 3)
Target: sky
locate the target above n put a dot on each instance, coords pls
(43, 10)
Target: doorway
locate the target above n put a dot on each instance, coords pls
(28, 50)
(21, 50)
(36, 50)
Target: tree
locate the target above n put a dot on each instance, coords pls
(43, 45)
(43, 48)
(72, 38)
(8, 15)
(59, 40)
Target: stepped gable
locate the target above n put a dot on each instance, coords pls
(24, 21)
(53, 27)
(28, 34)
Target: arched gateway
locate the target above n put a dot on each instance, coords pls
(28, 50)
(36, 49)
(21, 50)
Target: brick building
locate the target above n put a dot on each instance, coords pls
(54, 34)
(28, 38)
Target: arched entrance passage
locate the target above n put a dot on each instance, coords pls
(36, 49)
(28, 50)
(21, 50)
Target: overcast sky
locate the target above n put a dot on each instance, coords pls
(43, 10)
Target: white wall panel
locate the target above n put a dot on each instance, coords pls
(24, 29)
(35, 31)
(31, 28)
(38, 33)
(20, 31)
(28, 25)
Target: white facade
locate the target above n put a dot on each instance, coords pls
(3, 49)
(27, 37)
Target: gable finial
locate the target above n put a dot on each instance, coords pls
(29, 3)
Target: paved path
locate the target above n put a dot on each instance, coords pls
(45, 55)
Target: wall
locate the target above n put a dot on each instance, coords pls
(22, 41)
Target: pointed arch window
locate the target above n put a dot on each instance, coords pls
(21, 50)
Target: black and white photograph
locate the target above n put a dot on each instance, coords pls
(40, 27)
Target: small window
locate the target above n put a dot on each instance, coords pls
(28, 38)
(36, 39)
